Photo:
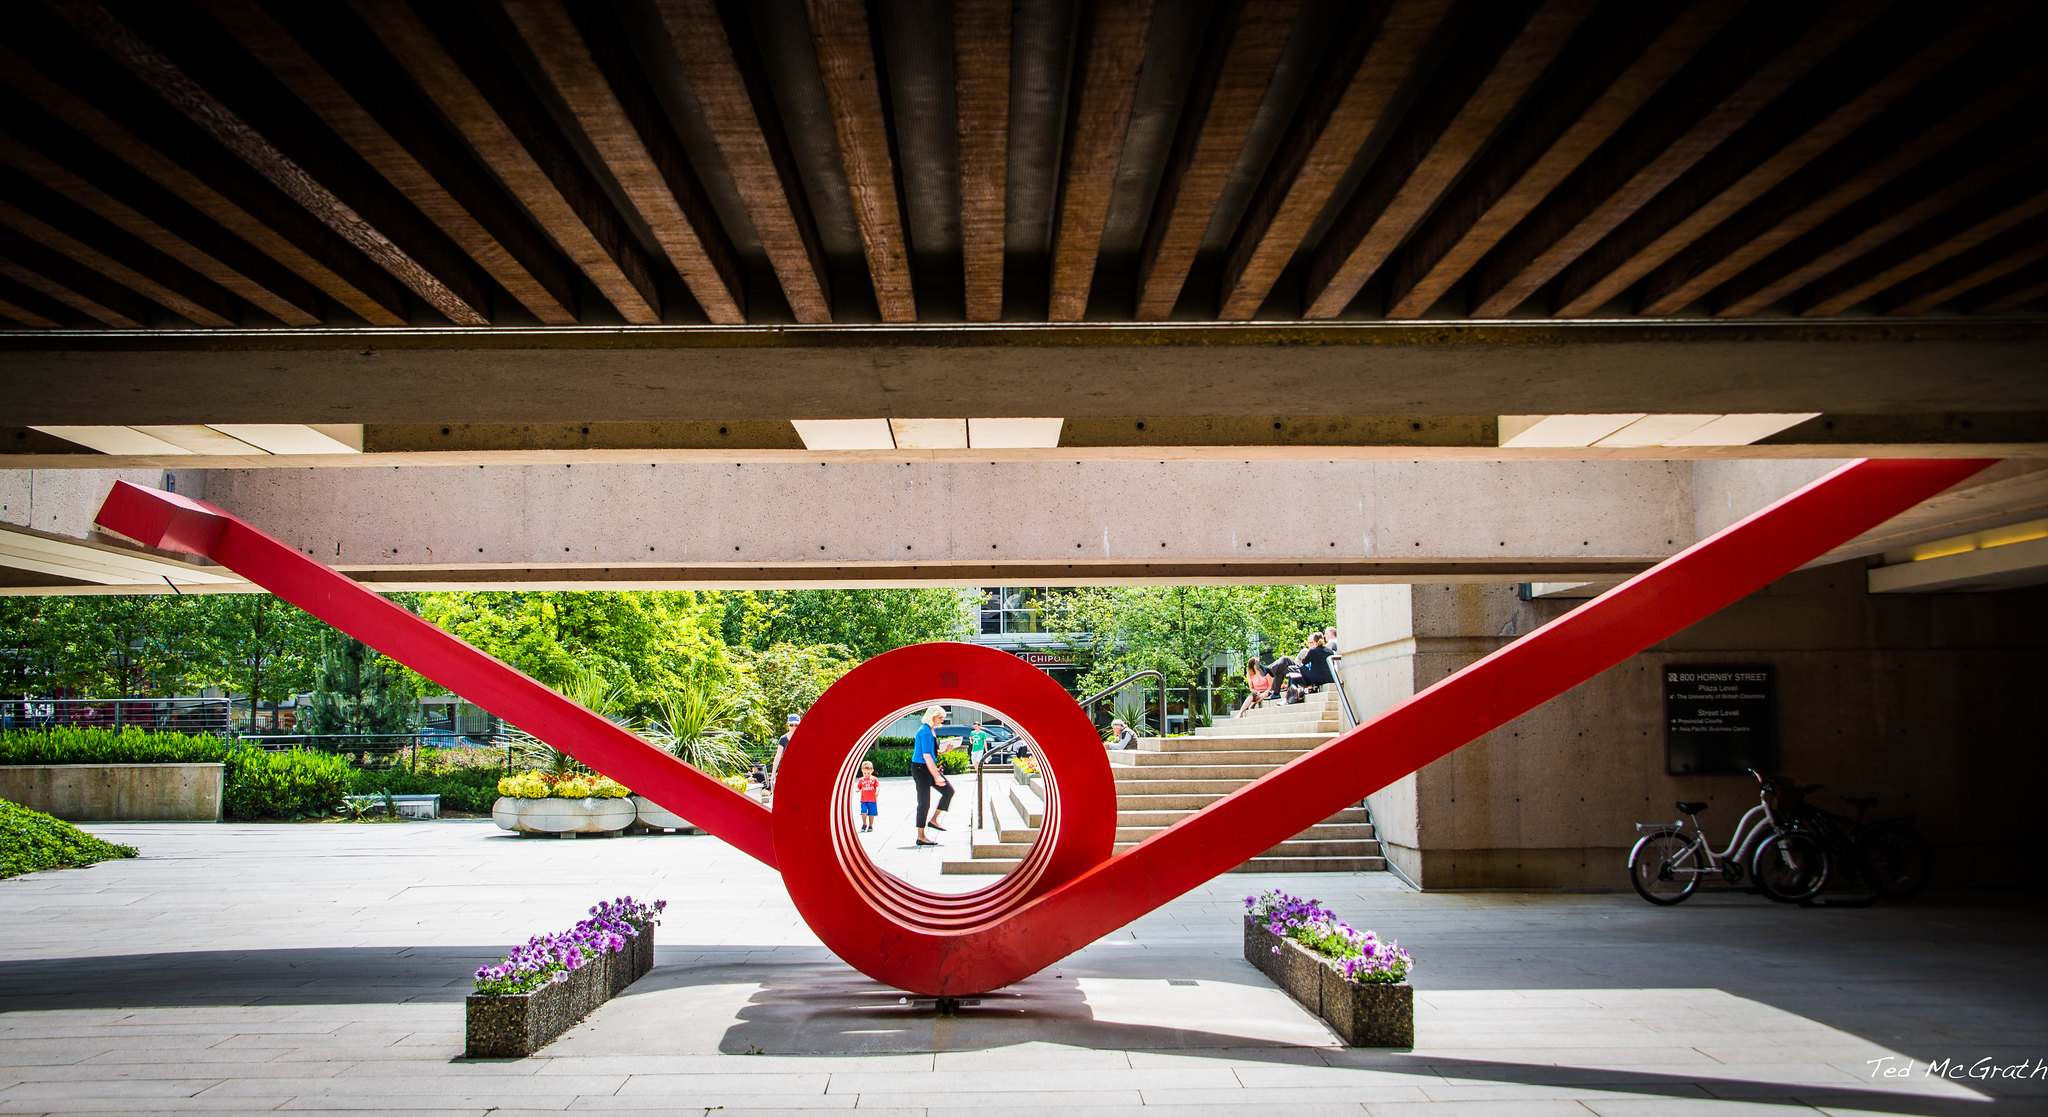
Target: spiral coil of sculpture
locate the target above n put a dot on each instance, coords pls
(1071, 889)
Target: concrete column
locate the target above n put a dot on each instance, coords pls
(1895, 696)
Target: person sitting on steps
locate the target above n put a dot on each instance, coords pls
(1261, 685)
(1315, 669)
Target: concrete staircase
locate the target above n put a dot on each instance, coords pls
(1166, 779)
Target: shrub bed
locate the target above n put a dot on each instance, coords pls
(31, 840)
(291, 784)
(127, 745)
(469, 789)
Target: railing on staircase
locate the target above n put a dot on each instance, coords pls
(1343, 696)
(1084, 703)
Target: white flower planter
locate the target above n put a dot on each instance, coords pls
(658, 817)
(563, 816)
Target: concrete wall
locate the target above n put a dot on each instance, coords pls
(117, 792)
(1919, 700)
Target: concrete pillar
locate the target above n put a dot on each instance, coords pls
(1894, 696)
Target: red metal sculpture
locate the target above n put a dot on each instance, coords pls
(1071, 889)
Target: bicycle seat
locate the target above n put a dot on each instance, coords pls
(1854, 802)
(1691, 808)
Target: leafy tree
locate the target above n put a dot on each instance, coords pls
(1285, 615)
(102, 646)
(787, 678)
(260, 646)
(867, 622)
(357, 691)
(1174, 630)
(644, 643)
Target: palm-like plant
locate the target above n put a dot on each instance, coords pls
(699, 726)
(587, 688)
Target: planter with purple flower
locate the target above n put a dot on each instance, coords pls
(1354, 980)
(541, 989)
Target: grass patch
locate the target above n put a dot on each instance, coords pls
(31, 840)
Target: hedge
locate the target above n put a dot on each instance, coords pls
(465, 789)
(291, 784)
(128, 745)
(31, 840)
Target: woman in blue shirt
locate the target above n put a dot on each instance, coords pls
(925, 773)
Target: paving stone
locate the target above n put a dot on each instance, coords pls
(322, 967)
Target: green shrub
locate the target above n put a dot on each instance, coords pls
(31, 840)
(293, 784)
(466, 789)
(128, 745)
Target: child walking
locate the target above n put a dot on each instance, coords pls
(869, 787)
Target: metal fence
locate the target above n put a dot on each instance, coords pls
(380, 751)
(208, 716)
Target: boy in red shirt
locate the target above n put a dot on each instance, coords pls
(868, 786)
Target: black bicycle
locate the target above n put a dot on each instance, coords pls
(1889, 856)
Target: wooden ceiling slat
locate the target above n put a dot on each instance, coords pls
(1985, 158)
(1610, 190)
(1464, 106)
(1354, 87)
(1972, 222)
(1694, 206)
(297, 310)
(638, 147)
(108, 251)
(981, 79)
(369, 293)
(441, 283)
(2015, 290)
(15, 312)
(1112, 49)
(1549, 141)
(34, 302)
(532, 276)
(755, 150)
(1213, 134)
(1873, 158)
(846, 61)
(1968, 271)
(520, 146)
(71, 283)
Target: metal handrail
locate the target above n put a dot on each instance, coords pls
(1084, 703)
(1127, 680)
(1343, 696)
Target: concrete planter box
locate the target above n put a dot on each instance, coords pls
(655, 817)
(510, 1027)
(1363, 1014)
(117, 792)
(563, 816)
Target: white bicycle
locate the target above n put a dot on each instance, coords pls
(1667, 862)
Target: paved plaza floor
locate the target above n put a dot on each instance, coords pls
(322, 967)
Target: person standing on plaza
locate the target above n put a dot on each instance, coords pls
(781, 745)
(925, 774)
(976, 742)
(869, 787)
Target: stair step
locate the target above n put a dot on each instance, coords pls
(1152, 819)
(1133, 758)
(1235, 774)
(1227, 742)
(1291, 848)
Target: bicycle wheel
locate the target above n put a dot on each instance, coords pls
(1665, 867)
(1896, 860)
(1790, 867)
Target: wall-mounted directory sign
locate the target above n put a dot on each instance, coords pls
(1720, 718)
